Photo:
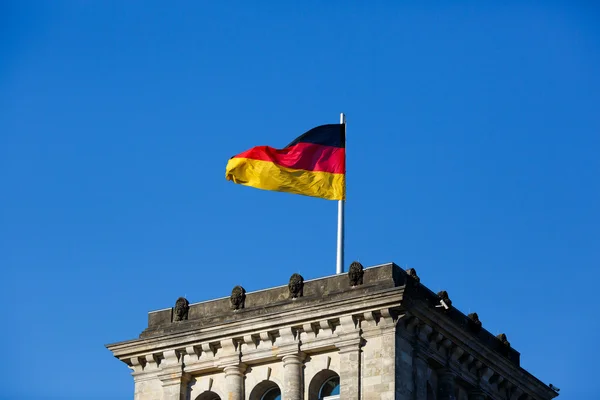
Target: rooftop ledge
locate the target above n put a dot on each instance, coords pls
(357, 283)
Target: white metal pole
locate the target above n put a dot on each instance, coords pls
(340, 228)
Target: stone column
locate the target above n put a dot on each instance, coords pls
(230, 361)
(476, 395)
(292, 376)
(292, 358)
(446, 385)
(350, 370)
(234, 381)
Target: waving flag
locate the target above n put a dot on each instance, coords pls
(314, 164)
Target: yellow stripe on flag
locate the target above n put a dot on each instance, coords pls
(269, 176)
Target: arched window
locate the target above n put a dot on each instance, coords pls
(266, 390)
(208, 396)
(272, 394)
(330, 389)
(325, 385)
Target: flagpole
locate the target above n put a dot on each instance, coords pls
(340, 227)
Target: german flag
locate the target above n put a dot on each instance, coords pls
(312, 165)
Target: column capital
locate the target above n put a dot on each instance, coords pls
(292, 358)
(234, 369)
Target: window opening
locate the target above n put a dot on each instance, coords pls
(272, 394)
(330, 390)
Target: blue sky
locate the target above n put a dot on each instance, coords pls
(473, 138)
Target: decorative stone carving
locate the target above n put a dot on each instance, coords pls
(296, 286)
(238, 298)
(182, 307)
(474, 322)
(355, 274)
(503, 339)
(443, 295)
(411, 272)
(503, 345)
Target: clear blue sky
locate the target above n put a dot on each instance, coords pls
(473, 156)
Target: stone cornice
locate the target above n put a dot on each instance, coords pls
(297, 318)
(274, 300)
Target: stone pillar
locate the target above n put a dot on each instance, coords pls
(234, 381)
(389, 388)
(476, 395)
(292, 376)
(446, 385)
(175, 386)
(147, 386)
(420, 366)
(174, 380)
(378, 367)
(405, 366)
(349, 350)
(350, 370)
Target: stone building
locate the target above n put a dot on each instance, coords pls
(371, 334)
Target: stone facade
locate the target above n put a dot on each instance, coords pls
(381, 337)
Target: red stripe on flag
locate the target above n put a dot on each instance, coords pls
(306, 156)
